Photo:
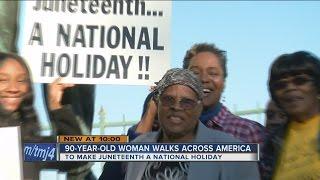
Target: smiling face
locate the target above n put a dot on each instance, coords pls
(297, 95)
(14, 84)
(207, 67)
(178, 111)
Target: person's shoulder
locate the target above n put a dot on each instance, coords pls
(133, 127)
(246, 123)
(211, 135)
(147, 137)
(252, 123)
(232, 118)
(220, 136)
(251, 131)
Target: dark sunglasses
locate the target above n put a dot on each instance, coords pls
(297, 81)
(184, 103)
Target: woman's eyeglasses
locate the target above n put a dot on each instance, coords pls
(184, 103)
(298, 80)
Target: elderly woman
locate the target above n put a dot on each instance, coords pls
(294, 85)
(209, 63)
(16, 109)
(179, 98)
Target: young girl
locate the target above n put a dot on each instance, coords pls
(17, 109)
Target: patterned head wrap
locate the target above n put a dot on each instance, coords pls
(182, 77)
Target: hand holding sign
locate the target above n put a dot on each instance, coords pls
(55, 91)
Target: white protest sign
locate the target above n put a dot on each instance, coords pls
(10, 153)
(97, 42)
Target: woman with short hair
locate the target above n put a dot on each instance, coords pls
(294, 84)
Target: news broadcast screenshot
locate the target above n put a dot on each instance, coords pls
(159, 90)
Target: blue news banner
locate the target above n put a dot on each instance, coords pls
(140, 152)
(40, 151)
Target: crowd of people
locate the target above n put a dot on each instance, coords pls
(185, 106)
